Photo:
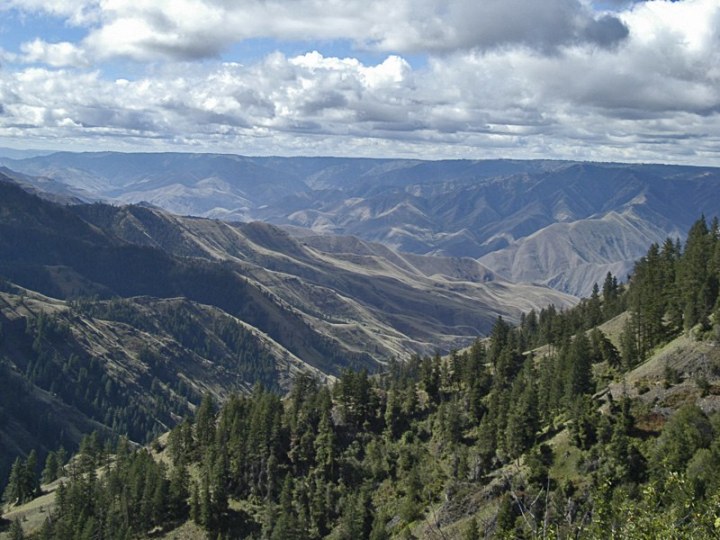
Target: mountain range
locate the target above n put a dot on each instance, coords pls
(558, 223)
(119, 318)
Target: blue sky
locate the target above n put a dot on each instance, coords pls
(612, 80)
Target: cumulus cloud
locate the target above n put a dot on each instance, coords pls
(467, 24)
(193, 29)
(564, 81)
(76, 12)
(53, 54)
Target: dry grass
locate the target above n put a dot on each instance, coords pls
(32, 515)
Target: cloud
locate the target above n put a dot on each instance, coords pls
(195, 29)
(75, 12)
(53, 54)
(467, 24)
(606, 31)
(642, 83)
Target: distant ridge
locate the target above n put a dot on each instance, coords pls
(330, 302)
(559, 223)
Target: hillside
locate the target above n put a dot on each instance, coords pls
(361, 297)
(502, 493)
(133, 366)
(599, 417)
(603, 417)
(512, 215)
(146, 312)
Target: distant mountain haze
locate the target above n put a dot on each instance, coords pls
(556, 223)
(329, 301)
(120, 318)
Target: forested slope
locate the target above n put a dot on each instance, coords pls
(119, 319)
(492, 441)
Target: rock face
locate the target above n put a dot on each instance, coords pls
(564, 224)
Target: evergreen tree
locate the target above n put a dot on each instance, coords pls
(51, 470)
(22, 484)
(178, 491)
(32, 485)
(523, 419)
(578, 375)
(687, 431)
(410, 506)
(286, 525)
(326, 448)
(629, 344)
(13, 490)
(205, 422)
(669, 256)
(195, 504)
(648, 301)
(602, 349)
(498, 339)
(692, 275)
(594, 308)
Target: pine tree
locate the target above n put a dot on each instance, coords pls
(523, 420)
(379, 527)
(629, 347)
(548, 401)
(326, 447)
(195, 504)
(594, 308)
(205, 508)
(669, 256)
(692, 274)
(578, 377)
(410, 507)
(31, 484)
(431, 377)
(13, 490)
(393, 414)
(178, 491)
(602, 349)
(286, 525)
(610, 292)
(205, 422)
(219, 475)
(498, 339)
(647, 300)
(50, 471)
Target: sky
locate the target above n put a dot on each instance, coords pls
(611, 80)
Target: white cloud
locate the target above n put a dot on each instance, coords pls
(192, 29)
(76, 12)
(53, 54)
(549, 82)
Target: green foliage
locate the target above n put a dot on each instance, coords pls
(687, 431)
(133, 495)
(22, 484)
(376, 456)
(672, 289)
(472, 532)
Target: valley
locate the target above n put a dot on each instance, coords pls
(137, 313)
(306, 270)
(559, 223)
(133, 324)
